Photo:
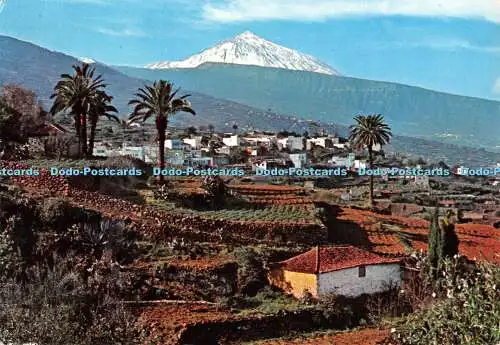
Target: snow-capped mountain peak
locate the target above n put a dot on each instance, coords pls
(87, 60)
(250, 49)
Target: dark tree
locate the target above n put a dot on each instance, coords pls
(434, 244)
(30, 113)
(450, 241)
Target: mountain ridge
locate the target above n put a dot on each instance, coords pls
(410, 110)
(37, 68)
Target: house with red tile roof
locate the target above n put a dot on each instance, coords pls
(341, 270)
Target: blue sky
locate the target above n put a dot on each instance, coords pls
(447, 45)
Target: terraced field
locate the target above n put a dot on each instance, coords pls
(263, 203)
(401, 235)
(369, 336)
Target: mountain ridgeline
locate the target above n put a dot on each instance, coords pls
(39, 69)
(410, 111)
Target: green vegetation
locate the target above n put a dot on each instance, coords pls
(443, 242)
(61, 279)
(216, 191)
(20, 117)
(467, 314)
(272, 213)
(265, 302)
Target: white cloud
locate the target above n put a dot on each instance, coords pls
(451, 44)
(130, 32)
(317, 10)
(496, 86)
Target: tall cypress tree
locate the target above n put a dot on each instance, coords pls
(449, 244)
(435, 244)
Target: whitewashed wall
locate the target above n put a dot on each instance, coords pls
(347, 282)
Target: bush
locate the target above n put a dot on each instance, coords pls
(57, 213)
(68, 299)
(215, 190)
(60, 306)
(401, 199)
(339, 310)
(251, 272)
(468, 312)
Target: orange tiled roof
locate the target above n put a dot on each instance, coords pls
(333, 259)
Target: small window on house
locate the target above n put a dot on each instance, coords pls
(362, 271)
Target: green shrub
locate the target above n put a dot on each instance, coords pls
(468, 312)
(57, 213)
(215, 190)
(62, 306)
(251, 273)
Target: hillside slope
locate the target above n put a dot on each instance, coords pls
(411, 111)
(39, 69)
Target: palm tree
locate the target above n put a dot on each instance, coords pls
(159, 100)
(368, 132)
(100, 106)
(76, 93)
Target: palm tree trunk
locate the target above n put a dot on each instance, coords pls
(161, 127)
(370, 160)
(93, 126)
(83, 131)
(77, 129)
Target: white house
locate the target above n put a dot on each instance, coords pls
(103, 150)
(133, 151)
(340, 270)
(232, 141)
(341, 146)
(194, 142)
(224, 150)
(269, 163)
(321, 141)
(299, 160)
(174, 144)
(291, 143)
(340, 161)
(150, 154)
(261, 140)
(175, 157)
(359, 164)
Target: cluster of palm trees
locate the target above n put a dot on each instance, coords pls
(83, 95)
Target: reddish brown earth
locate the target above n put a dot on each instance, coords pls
(206, 263)
(362, 337)
(167, 322)
(477, 241)
(163, 225)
